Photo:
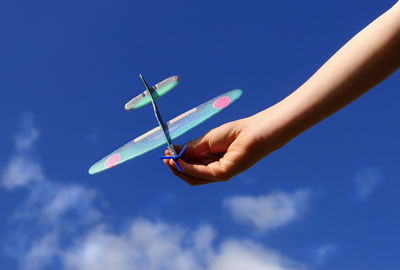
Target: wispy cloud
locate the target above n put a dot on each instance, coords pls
(323, 253)
(269, 211)
(22, 169)
(366, 181)
(41, 253)
(50, 219)
(28, 133)
(52, 203)
(51, 213)
(92, 137)
(73, 198)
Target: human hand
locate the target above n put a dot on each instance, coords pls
(221, 153)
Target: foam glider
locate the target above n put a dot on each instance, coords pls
(166, 131)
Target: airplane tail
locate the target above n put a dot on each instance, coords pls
(175, 158)
(157, 91)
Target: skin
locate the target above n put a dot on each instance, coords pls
(366, 60)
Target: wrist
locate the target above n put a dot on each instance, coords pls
(270, 128)
(275, 126)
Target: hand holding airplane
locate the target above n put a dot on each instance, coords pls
(366, 60)
(166, 131)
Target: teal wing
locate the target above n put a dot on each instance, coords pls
(175, 127)
(157, 91)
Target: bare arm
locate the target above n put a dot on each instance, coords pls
(366, 60)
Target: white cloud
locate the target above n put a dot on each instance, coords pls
(159, 246)
(366, 181)
(269, 211)
(203, 237)
(144, 245)
(245, 254)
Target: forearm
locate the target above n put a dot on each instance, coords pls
(363, 62)
(366, 60)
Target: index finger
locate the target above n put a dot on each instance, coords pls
(219, 170)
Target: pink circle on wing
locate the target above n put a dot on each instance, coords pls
(222, 102)
(112, 160)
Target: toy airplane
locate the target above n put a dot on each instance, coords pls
(166, 131)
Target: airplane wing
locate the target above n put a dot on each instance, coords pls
(175, 127)
(157, 91)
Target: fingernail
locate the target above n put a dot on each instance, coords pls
(172, 163)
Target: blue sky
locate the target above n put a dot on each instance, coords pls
(327, 200)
